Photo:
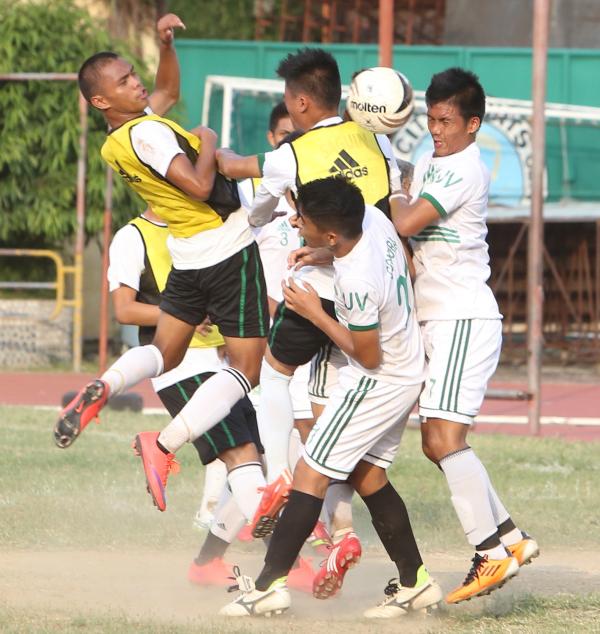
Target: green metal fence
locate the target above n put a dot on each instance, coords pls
(572, 151)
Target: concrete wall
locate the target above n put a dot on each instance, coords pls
(573, 23)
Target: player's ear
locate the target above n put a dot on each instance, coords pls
(332, 239)
(271, 139)
(302, 102)
(473, 125)
(99, 102)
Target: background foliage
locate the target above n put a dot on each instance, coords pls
(39, 125)
(208, 19)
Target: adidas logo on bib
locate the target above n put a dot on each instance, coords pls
(346, 166)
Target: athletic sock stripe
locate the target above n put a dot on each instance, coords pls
(448, 365)
(462, 363)
(457, 356)
(243, 290)
(245, 464)
(343, 424)
(240, 378)
(346, 403)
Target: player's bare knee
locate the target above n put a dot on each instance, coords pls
(239, 455)
(308, 480)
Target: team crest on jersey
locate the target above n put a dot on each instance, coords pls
(346, 166)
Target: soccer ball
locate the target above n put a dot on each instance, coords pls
(380, 99)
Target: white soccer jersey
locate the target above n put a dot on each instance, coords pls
(451, 255)
(373, 290)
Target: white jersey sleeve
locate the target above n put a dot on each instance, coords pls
(126, 259)
(155, 145)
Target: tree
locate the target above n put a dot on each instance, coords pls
(39, 126)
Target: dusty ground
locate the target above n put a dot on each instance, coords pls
(153, 585)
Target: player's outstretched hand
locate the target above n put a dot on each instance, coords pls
(303, 300)
(309, 256)
(166, 25)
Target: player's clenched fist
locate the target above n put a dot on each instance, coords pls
(165, 27)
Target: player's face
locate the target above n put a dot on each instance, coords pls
(121, 89)
(312, 235)
(449, 130)
(282, 129)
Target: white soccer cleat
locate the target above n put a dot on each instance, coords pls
(402, 601)
(252, 602)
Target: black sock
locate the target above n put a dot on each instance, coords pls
(506, 526)
(293, 527)
(212, 548)
(489, 542)
(390, 519)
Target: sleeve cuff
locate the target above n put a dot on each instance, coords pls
(435, 203)
(362, 328)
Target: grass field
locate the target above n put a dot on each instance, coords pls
(91, 499)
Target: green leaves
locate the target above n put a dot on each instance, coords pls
(39, 125)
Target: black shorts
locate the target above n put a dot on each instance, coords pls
(238, 428)
(294, 340)
(232, 293)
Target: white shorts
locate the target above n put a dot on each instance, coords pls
(324, 369)
(363, 420)
(462, 356)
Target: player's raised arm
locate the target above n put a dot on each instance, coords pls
(235, 166)
(409, 219)
(166, 88)
(197, 180)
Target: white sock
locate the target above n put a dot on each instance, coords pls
(215, 479)
(209, 405)
(468, 483)
(245, 480)
(501, 515)
(228, 518)
(295, 449)
(143, 362)
(275, 418)
(338, 501)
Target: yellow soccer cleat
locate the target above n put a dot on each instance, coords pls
(525, 550)
(485, 575)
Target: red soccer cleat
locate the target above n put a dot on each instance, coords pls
(213, 573)
(157, 466)
(75, 417)
(274, 497)
(320, 540)
(342, 557)
(301, 577)
(245, 534)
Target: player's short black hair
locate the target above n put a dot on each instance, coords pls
(460, 86)
(288, 138)
(89, 73)
(333, 204)
(278, 113)
(315, 72)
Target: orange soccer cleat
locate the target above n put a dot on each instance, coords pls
(485, 576)
(157, 466)
(301, 577)
(342, 557)
(213, 573)
(75, 417)
(275, 496)
(525, 550)
(320, 540)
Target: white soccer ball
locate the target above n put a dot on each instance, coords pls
(380, 99)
